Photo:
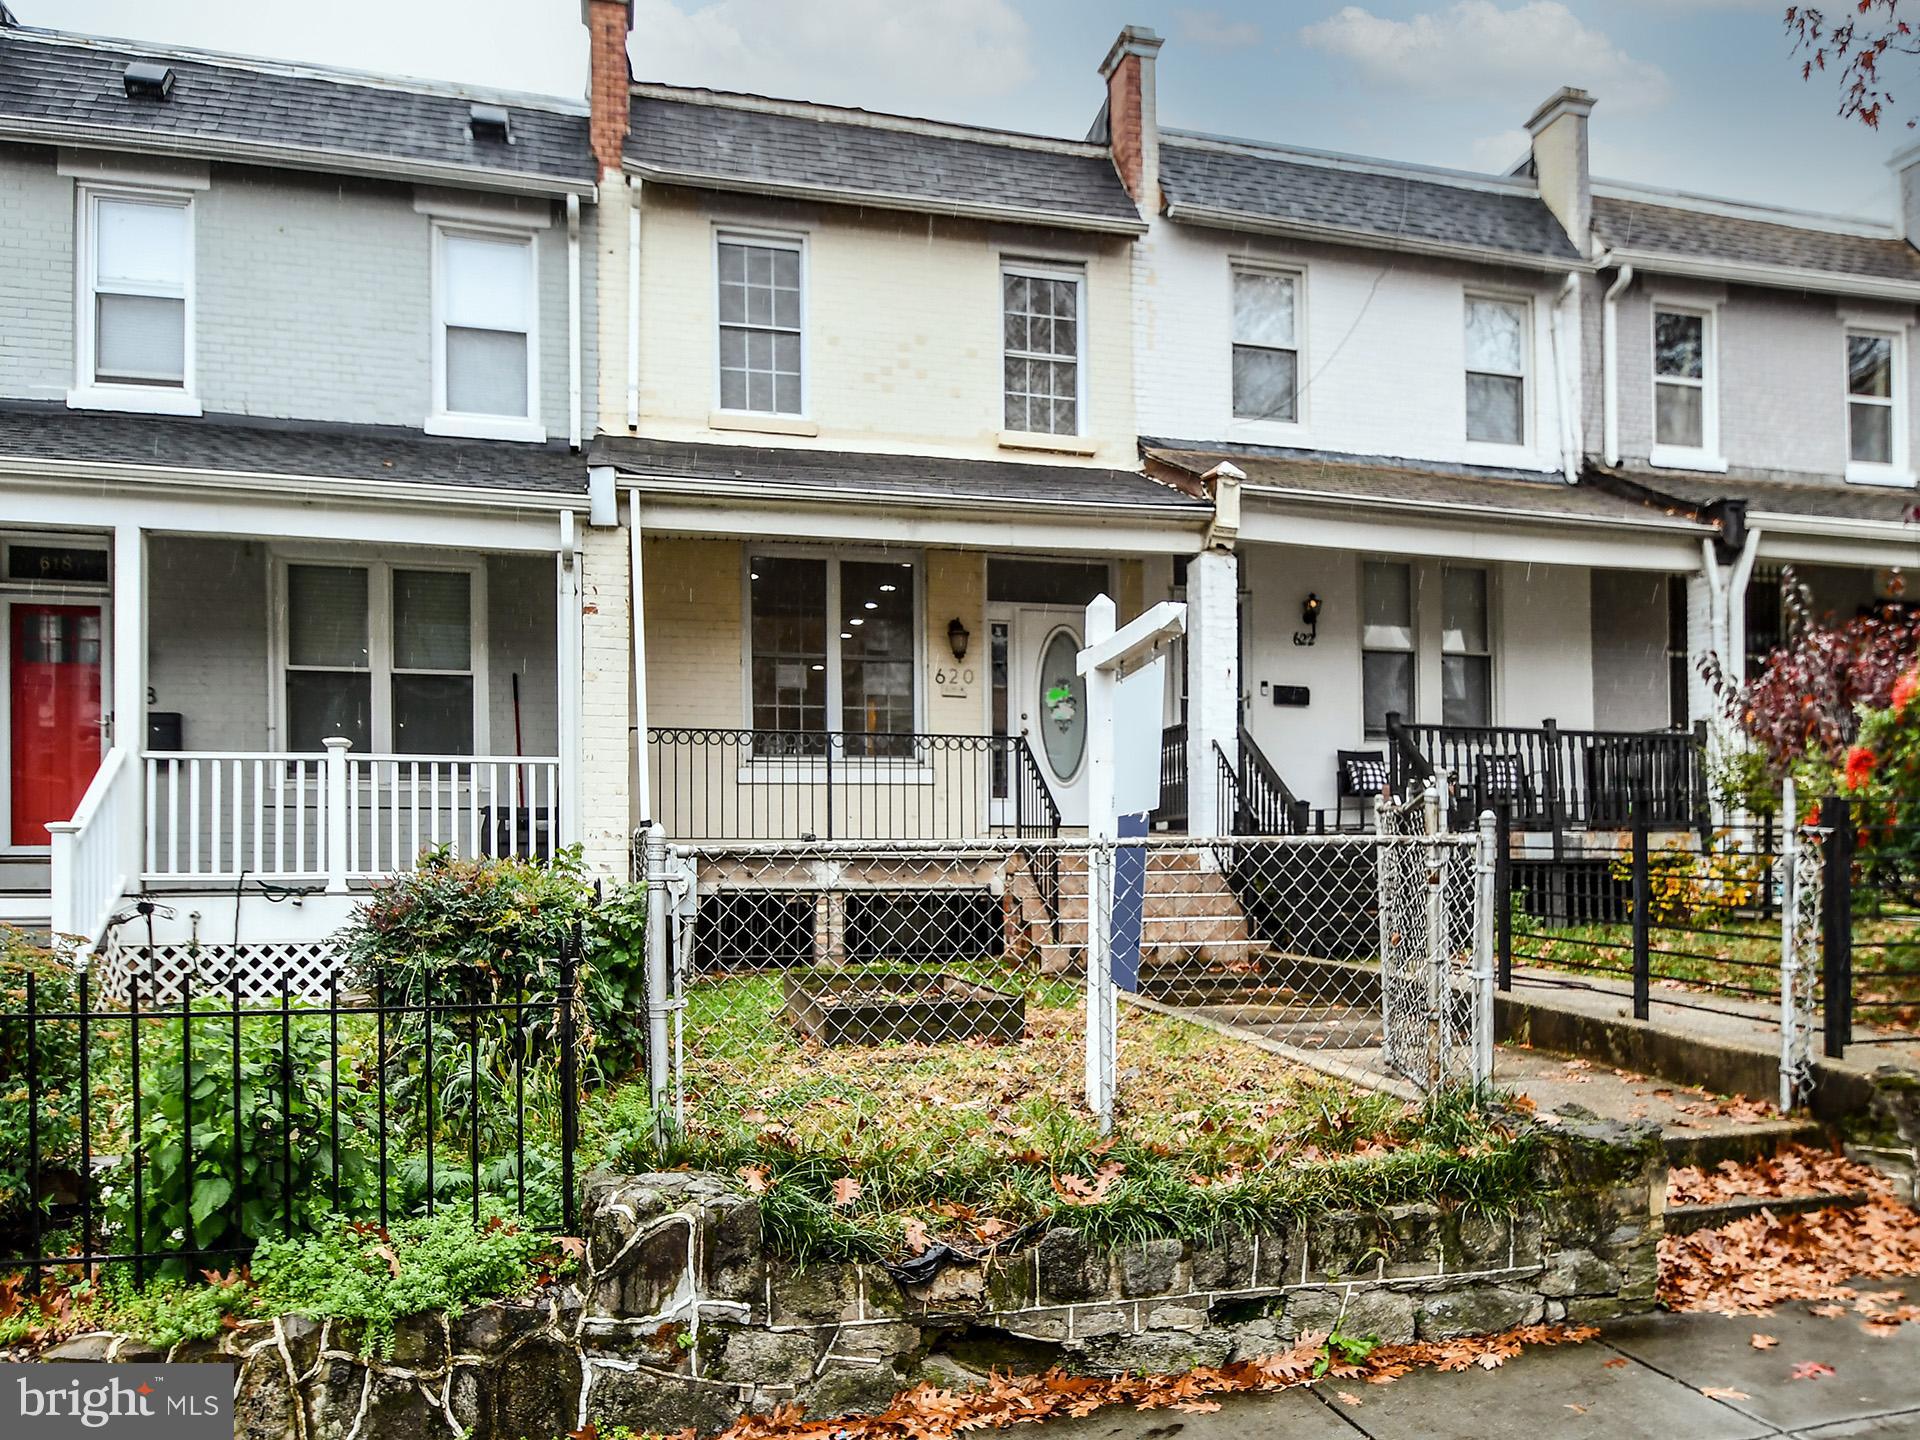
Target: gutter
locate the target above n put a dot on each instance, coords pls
(289, 157)
(917, 204)
(315, 488)
(633, 302)
(1459, 507)
(1610, 363)
(686, 486)
(1368, 239)
(1783, 277)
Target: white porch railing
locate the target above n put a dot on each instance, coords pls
(335, 816)
(89, 862)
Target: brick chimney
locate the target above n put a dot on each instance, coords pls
(610, 77)
(1560, 162)
(1133, 124)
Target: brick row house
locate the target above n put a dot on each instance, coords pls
(385, 464)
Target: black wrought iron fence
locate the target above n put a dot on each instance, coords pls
(1171, 812)
(1871, 926)
(172, 1135)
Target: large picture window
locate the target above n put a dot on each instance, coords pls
(833, 650)
(1266, 347)
(382, 654)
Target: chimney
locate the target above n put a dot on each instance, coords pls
(1560, 163)
(1133, 125)
(609, 78)
(1905, 165)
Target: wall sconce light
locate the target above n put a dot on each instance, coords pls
(957, 636)
(1310, 618)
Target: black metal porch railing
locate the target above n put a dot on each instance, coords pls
(718, 785)
(1171, 812)
(1549, 779)
(1254, 800)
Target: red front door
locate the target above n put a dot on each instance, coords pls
(56, 714)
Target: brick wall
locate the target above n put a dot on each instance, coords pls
(609, 77)
(606, 667)
(1123, 121)
(693, 607)
(36, 277)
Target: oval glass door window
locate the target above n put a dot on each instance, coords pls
(1063, 705)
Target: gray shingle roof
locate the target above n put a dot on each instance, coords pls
(59, 88)
(1320, 476)
(1383, 207)
(860, 476)
(1830, 499)
(857, 158)
(240, 445)
(1701, 235)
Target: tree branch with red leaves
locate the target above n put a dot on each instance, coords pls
(1857, 46)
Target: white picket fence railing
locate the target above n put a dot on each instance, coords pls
(90, 854)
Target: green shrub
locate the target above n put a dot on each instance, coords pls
(57, 1080)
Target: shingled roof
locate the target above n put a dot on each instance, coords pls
(90, 442)
(62, 89)
(1644, 227)
(1224, 183)
(736, 142)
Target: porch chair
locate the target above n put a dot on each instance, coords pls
(1360, 775)
(1502, 778)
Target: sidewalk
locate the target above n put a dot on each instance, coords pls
(1641, 1378)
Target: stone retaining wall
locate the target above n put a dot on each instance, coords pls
(681, 1319)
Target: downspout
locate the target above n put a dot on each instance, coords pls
(573, 322)
(633, 302)
(1610, 364)
(1569, 425)
(642, 779)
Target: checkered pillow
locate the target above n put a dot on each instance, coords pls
(1501, 774)
(1366, 775)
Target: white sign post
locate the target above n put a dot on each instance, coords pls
(1113, 781)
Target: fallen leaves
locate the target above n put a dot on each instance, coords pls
(1794, 1172)
(755, 1177)
(1763, 1342)
(1723, 1392)
(845, 1191)
(1811, 1370)
(1078, 1190)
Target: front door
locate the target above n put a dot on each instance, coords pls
(1050, 701)
(55, 714)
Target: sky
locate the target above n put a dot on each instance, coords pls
(1700, 95)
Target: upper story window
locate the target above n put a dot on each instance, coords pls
(135, 332)
(1876, 414)
(486, 351)
(1042, 319)
(1685, 399)
(1266, 347)
(1497, 370)
(760, 326)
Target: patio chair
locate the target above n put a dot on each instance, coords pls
(1502, 779)
(1360, 775)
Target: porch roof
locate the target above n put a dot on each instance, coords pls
(1384, 482)
(48, 434)
(1811, 497)
(1684, 230)
(696, 467)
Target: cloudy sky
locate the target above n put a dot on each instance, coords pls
(1694, 94)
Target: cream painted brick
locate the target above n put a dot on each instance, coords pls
(956, 588)
(606, 806)
(693, 608)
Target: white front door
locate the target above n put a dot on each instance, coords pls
(1049, 701)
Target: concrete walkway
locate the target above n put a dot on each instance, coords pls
(1640, 1380)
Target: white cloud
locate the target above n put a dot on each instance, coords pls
(1496, 154)
(1474, 49)
(1213, 29)
(908, 55)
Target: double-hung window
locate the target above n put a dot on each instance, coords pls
(832, 650)
(1042, 325)
(1387, 641)
(486, 354)
(1496, 347)
(1876, 416)
(1685, 405)
(1266, 346)
(760, 325)
(1466, 658)
(382, 654)
(136, 303)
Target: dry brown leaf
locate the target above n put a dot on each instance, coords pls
(846, 1190)
(916, 1236)
(1763, 1342)
(755, 1178)
(1811, 1370)
(1347, 1397)
(1723, 1392)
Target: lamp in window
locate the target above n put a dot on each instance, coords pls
(957, 636)
(1310, 618)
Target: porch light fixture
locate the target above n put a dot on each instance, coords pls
(957, 636)
(1310, 618)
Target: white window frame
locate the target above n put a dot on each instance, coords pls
(1032, 269)
(484, 427)
(1900, 471)
(89, 392)
(778, 768)
(1411, 650)
(1288, 431)
(1502, 449)
(380, 667)
(766, 240)
(1492, 650)
(1706, 456)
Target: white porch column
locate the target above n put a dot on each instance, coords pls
(567, 674)
(637, 609)
(1213, 683)
(604, 821)
(130, 688)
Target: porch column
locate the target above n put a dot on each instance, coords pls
(637, 609)
(130, 689)
(1213, 683)
(567, 564)
(604, 789)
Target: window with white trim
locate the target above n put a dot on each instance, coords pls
(1875, 418)
(1387, 643)
(1041, 324)
(832, 647)
(137, 274)
(760, 308)
(1266, 347)
(1685, 412)
(382, 654)
(1496, 347)
(1466, 654)
(486, 358)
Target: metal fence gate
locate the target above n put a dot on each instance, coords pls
(794, 980)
